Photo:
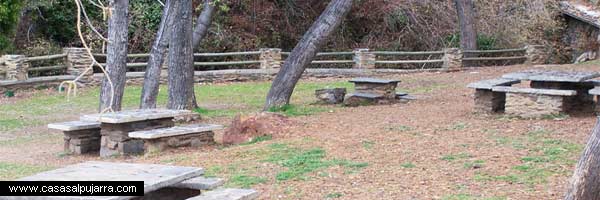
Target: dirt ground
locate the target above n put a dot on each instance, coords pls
(432, 148)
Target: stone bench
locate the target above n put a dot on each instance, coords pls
(227, 194)
(535, 103)
(387, 88)
(178, 136)
(358, 99)
(488, 101)
(80, 136)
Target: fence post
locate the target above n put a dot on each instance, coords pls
(270, 58)
(363, 59)
(452, 59)
(77, 61)
(16, 67)
(536, 54)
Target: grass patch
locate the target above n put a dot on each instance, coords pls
(293, 110)
(454, 157)
(11, 171)
(245, 181)
(400, 128)
(546, 157)
(259, 139)
(334, 195)
(408, 165)
(368, 144)
(299, 162)
(474, 164)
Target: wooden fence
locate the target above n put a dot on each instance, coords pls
(58, 64)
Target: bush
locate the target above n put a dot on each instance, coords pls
(9, 15)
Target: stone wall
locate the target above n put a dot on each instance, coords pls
(116, 141)
(452, 59)
(534, 106)
(487, 101)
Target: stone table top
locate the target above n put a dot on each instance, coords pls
(154, 176)
(134, 115)
(552, 76)
(373, 80)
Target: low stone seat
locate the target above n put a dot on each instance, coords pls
(178, 136)
(80, 136)
(227, 194)
(595, 91)
(488, 101)
(200, 183)
(489, 84)
(387, 88)
(358, 99)
(535, 103)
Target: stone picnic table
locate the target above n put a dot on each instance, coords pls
(155, 177)
(578, 81)
(115, 128)
(550, 92)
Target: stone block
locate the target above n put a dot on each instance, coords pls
(188, 140)
(363, 59)
(331, 96)
(534, 105)
(131, 147)
(452, 59)
(487, 101)
(362, 99)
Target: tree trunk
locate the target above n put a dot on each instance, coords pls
(181, 60)
(156, 60)
(291, 71)
(203, 22)
(116, 59)
(153, 70)
(585, 183)
(465, 9)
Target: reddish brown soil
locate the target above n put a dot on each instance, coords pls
(439, 123)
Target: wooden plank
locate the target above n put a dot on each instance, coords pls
(40, 58)
(495, 51)
(247, 53)
(46, 68)
(226, 63)
(495, 58)
(332, 61)
(407, 53)
(408, 61)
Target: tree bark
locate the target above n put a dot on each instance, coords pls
(181, 60)
(159, 48)
(156, 60)
(465, 9)
(203, 22)
(116, 59)
(585, 183)
(304, 52)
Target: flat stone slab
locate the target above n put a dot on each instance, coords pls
(134, 115)
(174, 131)
(228, 194)
(154, 176)
(488, 84)
(552, 76)
(200, 183)
(367, 95)
(373, 80)
(595, 91)
(74, 125)
(551, 92)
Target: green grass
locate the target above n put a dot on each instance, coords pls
(259, 139)
(474, 164)
(245, 181)
(545, 157)
(334, 195)
(454, 157)
(11, 171)
(221, 100)
(300, 162)
(408, 165)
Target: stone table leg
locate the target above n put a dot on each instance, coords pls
(116, 141)
(487, 101)
(583, 102)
